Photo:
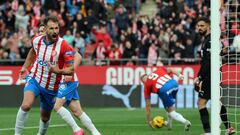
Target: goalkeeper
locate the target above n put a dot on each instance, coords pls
(203, 81)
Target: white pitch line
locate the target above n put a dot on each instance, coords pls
(109, 125)
(33, 127)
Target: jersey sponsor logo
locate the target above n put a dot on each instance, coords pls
(41, 62)
(44, 63)
(110, 90)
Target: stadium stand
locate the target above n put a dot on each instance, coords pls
(129, 36)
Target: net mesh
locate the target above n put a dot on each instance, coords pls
(230, 58)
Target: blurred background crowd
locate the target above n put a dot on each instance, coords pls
(108, 29)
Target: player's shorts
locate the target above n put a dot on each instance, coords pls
(68, 91)
(205, 92)
(168, 93)
(47, 97)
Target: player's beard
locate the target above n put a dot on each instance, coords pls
(52, 37)
(203, 33)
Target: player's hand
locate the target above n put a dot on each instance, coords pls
(200, 85)
(181, 77)
(22, 73)
(150, 124)
(67, 78)
(53, 68)
(196, 81)
(197, 85)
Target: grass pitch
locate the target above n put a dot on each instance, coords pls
(110, 121)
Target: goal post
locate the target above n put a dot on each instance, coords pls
(215, 67)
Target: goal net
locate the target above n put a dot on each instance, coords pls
(229, 61)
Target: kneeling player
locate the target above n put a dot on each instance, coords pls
(161, 83)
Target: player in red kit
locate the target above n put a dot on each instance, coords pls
(160, 82)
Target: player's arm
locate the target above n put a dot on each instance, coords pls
(67, 53)
(30, 58)
(68, 70)
(148, 106)
(76, 63)
(176, 72)
(77, 60)
(204, 71)
(28, 62)
(148, 112)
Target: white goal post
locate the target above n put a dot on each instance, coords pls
(215, 67)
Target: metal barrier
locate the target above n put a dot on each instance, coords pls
(102, 62)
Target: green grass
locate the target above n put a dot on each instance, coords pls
(110, 121)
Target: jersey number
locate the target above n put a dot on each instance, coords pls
(160, 81)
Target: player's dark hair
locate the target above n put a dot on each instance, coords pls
(50, 18)
(42, 24)
(205, 19)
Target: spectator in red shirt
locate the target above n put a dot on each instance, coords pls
(103, 35)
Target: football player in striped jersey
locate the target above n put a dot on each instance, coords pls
(41, 81)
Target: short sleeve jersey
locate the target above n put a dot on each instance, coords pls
(155, 81)
(58, 52)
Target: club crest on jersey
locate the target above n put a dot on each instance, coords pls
(54, 53)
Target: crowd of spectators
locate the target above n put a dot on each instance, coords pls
(108, 29)
(230, 31)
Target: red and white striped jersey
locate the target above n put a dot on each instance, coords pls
(155, 81)
(56, 53)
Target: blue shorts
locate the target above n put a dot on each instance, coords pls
(168, 93)
(47, 97)
(68, 91)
